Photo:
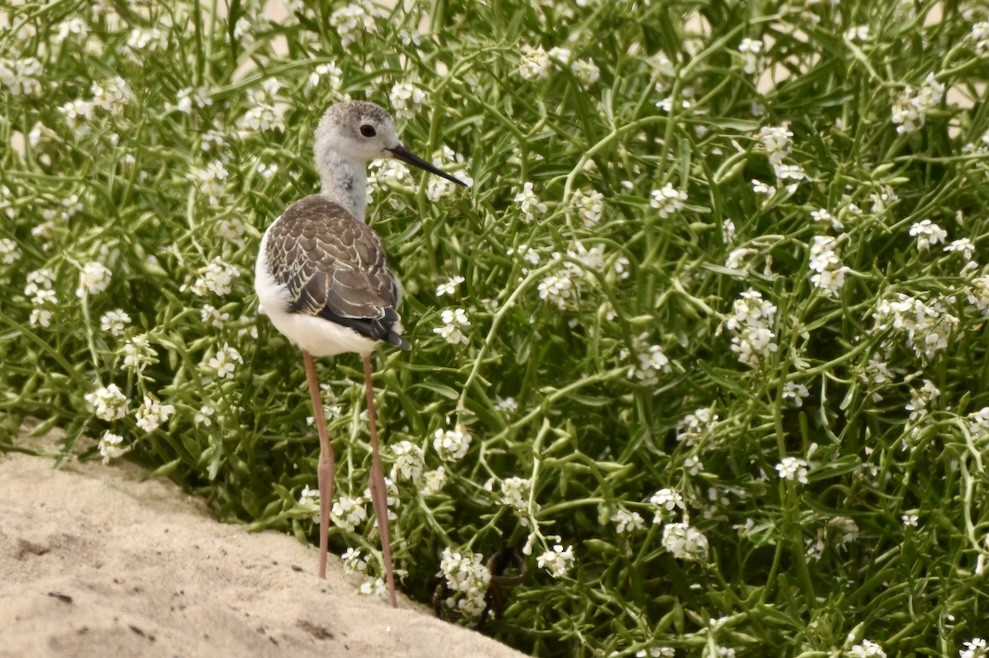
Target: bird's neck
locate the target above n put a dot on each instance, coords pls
(344, 182)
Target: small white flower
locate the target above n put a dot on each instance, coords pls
(976, 647)
(666, 501)
(928, 233)
(529, 203)
(796, 392)
(648, 361)
(449, 287)
(330, 72)
(454, 320)
(369, 587)
(667, 200)
(558, 288)
(354, 20)
(138, 353)
(506, 405)
(793, 469)
(750, 326)
(557, 561)
(10, 253)
(911, 108)
(627, 522)
(213, 317)
(225, 361)
(188, 98)
(111, 447)
(867, 649)
(433, 482)
(211, 180)
(152, 414)
(354, 562)
(692, 428)
(204, 416)
(115, 322)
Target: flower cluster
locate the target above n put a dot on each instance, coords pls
(215, 277)
(22, 77)
(685, 542)
(94, 278)
(692, 428)
(452, 445)
(753, 61)
(534, 64)
(40, 289)
(589, 206)
(515, 493)
(115, 322)
(406, 99)
(353, 20)
(913, 106)
(152, 413)
(829, 272)
(667, 200)
(751, 323)
(111, 447)
(924, 326)
(409, 461)
(976, 647)
(648, 361)
(138, 353)
(537, 64)
(777, 142)
(468, 579)
(454, 322)
(348, 512)
(109, 402)
(627, 522)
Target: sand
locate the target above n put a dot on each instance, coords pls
(96, 562)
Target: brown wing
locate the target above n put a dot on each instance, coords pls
(335, 267)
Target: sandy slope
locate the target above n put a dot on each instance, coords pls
(94, 562)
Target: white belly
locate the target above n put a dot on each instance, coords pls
(315, 335)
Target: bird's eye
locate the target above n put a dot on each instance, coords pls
(367, 130)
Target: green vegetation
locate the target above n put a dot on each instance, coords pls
(705, 344)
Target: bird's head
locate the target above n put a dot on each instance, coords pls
(363, 132)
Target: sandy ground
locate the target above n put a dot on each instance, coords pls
(95, 562)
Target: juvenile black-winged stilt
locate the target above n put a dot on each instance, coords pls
(322, 278)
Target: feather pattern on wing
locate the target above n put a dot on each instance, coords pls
(334, 267)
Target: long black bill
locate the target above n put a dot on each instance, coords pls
(405, 155)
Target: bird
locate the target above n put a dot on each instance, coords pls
(323, 279)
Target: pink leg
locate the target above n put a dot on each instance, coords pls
(326, 466)
(379, 495)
